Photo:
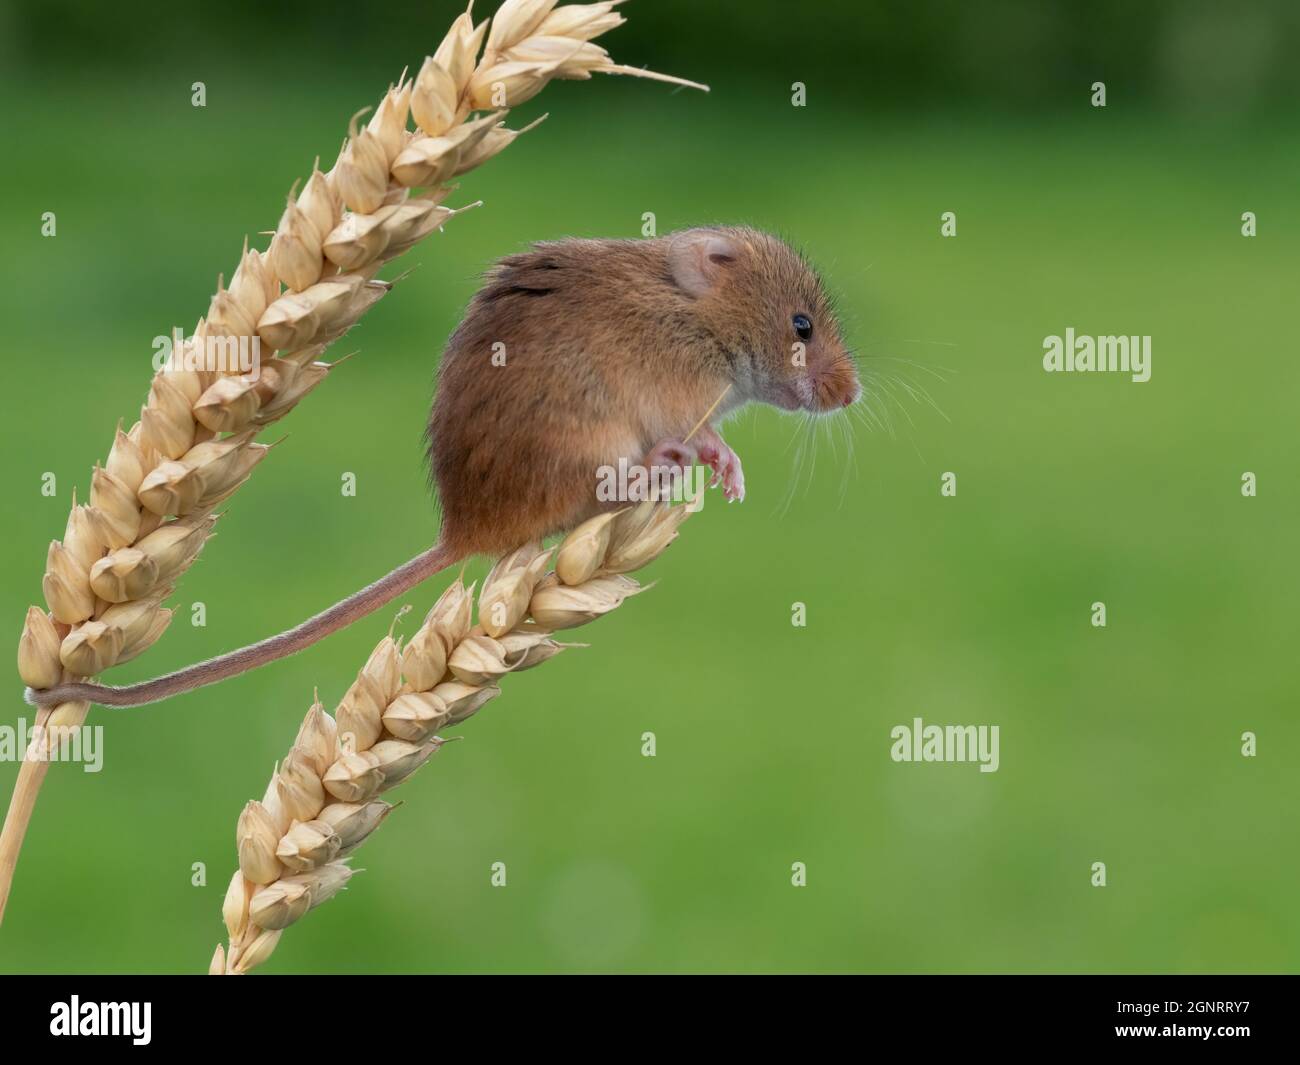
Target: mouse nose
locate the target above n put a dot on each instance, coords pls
(834, 391)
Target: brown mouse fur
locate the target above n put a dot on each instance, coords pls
(614, 349)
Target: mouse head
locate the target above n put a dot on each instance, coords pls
(767, 309)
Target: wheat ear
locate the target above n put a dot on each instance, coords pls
(323, 799)
(153, 502)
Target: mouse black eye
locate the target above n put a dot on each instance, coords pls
(802, 326)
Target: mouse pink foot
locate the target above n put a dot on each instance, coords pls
(670, 453)
(725, 463)
(667, 462)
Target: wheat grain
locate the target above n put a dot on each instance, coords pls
(323, 799)
(153, 502)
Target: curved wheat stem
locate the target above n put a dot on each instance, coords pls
(323, 799)
(152, 504)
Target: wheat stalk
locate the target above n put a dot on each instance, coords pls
(152, 503)
(323, 799)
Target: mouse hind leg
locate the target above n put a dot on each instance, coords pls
(493, 503)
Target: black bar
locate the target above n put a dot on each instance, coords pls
(971, 1013)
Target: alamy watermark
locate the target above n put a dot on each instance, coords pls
(919, 742)
(53, 743)
(77, 1018)
(1103, 354)
(630, 482)
(227, 355)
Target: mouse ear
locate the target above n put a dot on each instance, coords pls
(699, 258)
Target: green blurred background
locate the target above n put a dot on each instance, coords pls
(1119, 745)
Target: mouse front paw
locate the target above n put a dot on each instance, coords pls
(725, 464)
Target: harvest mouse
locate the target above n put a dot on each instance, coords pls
(572, 356)
(615, 349)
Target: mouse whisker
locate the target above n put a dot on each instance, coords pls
(850, 466)
(917, 390)
(914, 390)
(802, 437)
(863, 410)
(814, 434)
(893, 394)
(877, 404)
(930, 368)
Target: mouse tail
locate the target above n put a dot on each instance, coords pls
(256, 655)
